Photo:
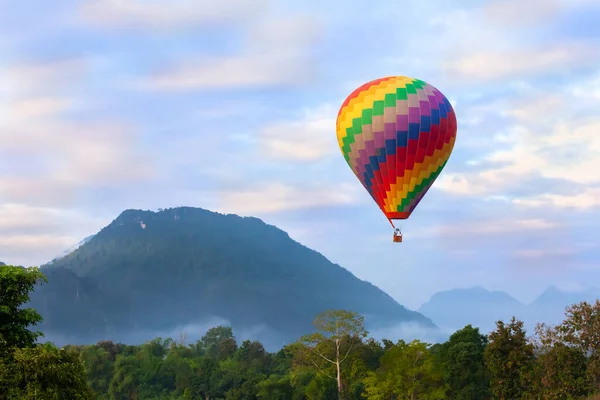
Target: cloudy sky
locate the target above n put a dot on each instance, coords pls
(113, 104)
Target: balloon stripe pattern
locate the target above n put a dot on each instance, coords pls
(396, 134)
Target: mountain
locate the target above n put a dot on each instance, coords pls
(185, 269)
(550, 306)
(453, 309)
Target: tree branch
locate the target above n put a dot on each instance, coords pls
(321, 370)
(348, 352)
(322, 356)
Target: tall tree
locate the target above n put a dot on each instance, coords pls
(463, 364)
(509, 359)
(338, 332)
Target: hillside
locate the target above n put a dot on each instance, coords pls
(187, 268)
(453, 309)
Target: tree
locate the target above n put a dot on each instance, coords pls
(407, 371)
(509, 359)
(579, 330)
(46, 372)
(219, 342)
(15, 285)
(338, 331)
(561, 372)
(462, 357)
(29, 370)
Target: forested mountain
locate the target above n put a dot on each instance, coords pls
(453, 309)
(186, 269)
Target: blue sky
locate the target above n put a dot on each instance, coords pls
(113, 104)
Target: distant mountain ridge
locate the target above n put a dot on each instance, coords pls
(455, 308)
(161, 271)
(71, 249)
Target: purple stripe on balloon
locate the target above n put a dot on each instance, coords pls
(425, 108)
(414, 116)
(379, 140)
(433, 102)
(363, 159)
(402, 122)
(389, 130)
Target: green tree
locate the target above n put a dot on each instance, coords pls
(29, 370)
(509, 359)
(275, 387)
(99, 367)
(407, 371)
(15, 285)
(46, 372)
(219, 342)
(338, 332)
(462, 358)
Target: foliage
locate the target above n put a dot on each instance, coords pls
(509, 360)
(15, 285)
(561, 362)
(462, 360)
(407, 371)
(338, 333)
(29, 370)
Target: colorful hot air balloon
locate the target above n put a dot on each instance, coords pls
(396, 133)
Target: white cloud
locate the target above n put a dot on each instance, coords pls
(168, 15)
(19, 217)
(33, 235)
(536, 108)
(45, 156)
(547, 143)
(519, 12)
(588, 199)
(544, 253)
(277, 197)
(276, 52)
(34, 243)
(587, 90)
(487, 227)
(307, 139)
(490, 65)
(40, 76)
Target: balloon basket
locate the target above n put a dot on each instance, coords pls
(397, 238)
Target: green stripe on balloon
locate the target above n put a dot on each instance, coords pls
(390, 100)
(401, 94)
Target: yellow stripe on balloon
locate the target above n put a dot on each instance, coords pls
(435, 161)
(365, 99)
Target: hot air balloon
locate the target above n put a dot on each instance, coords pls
(396, 134)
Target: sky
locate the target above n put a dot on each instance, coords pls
(107, 105)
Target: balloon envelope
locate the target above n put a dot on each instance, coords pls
(396, 134)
